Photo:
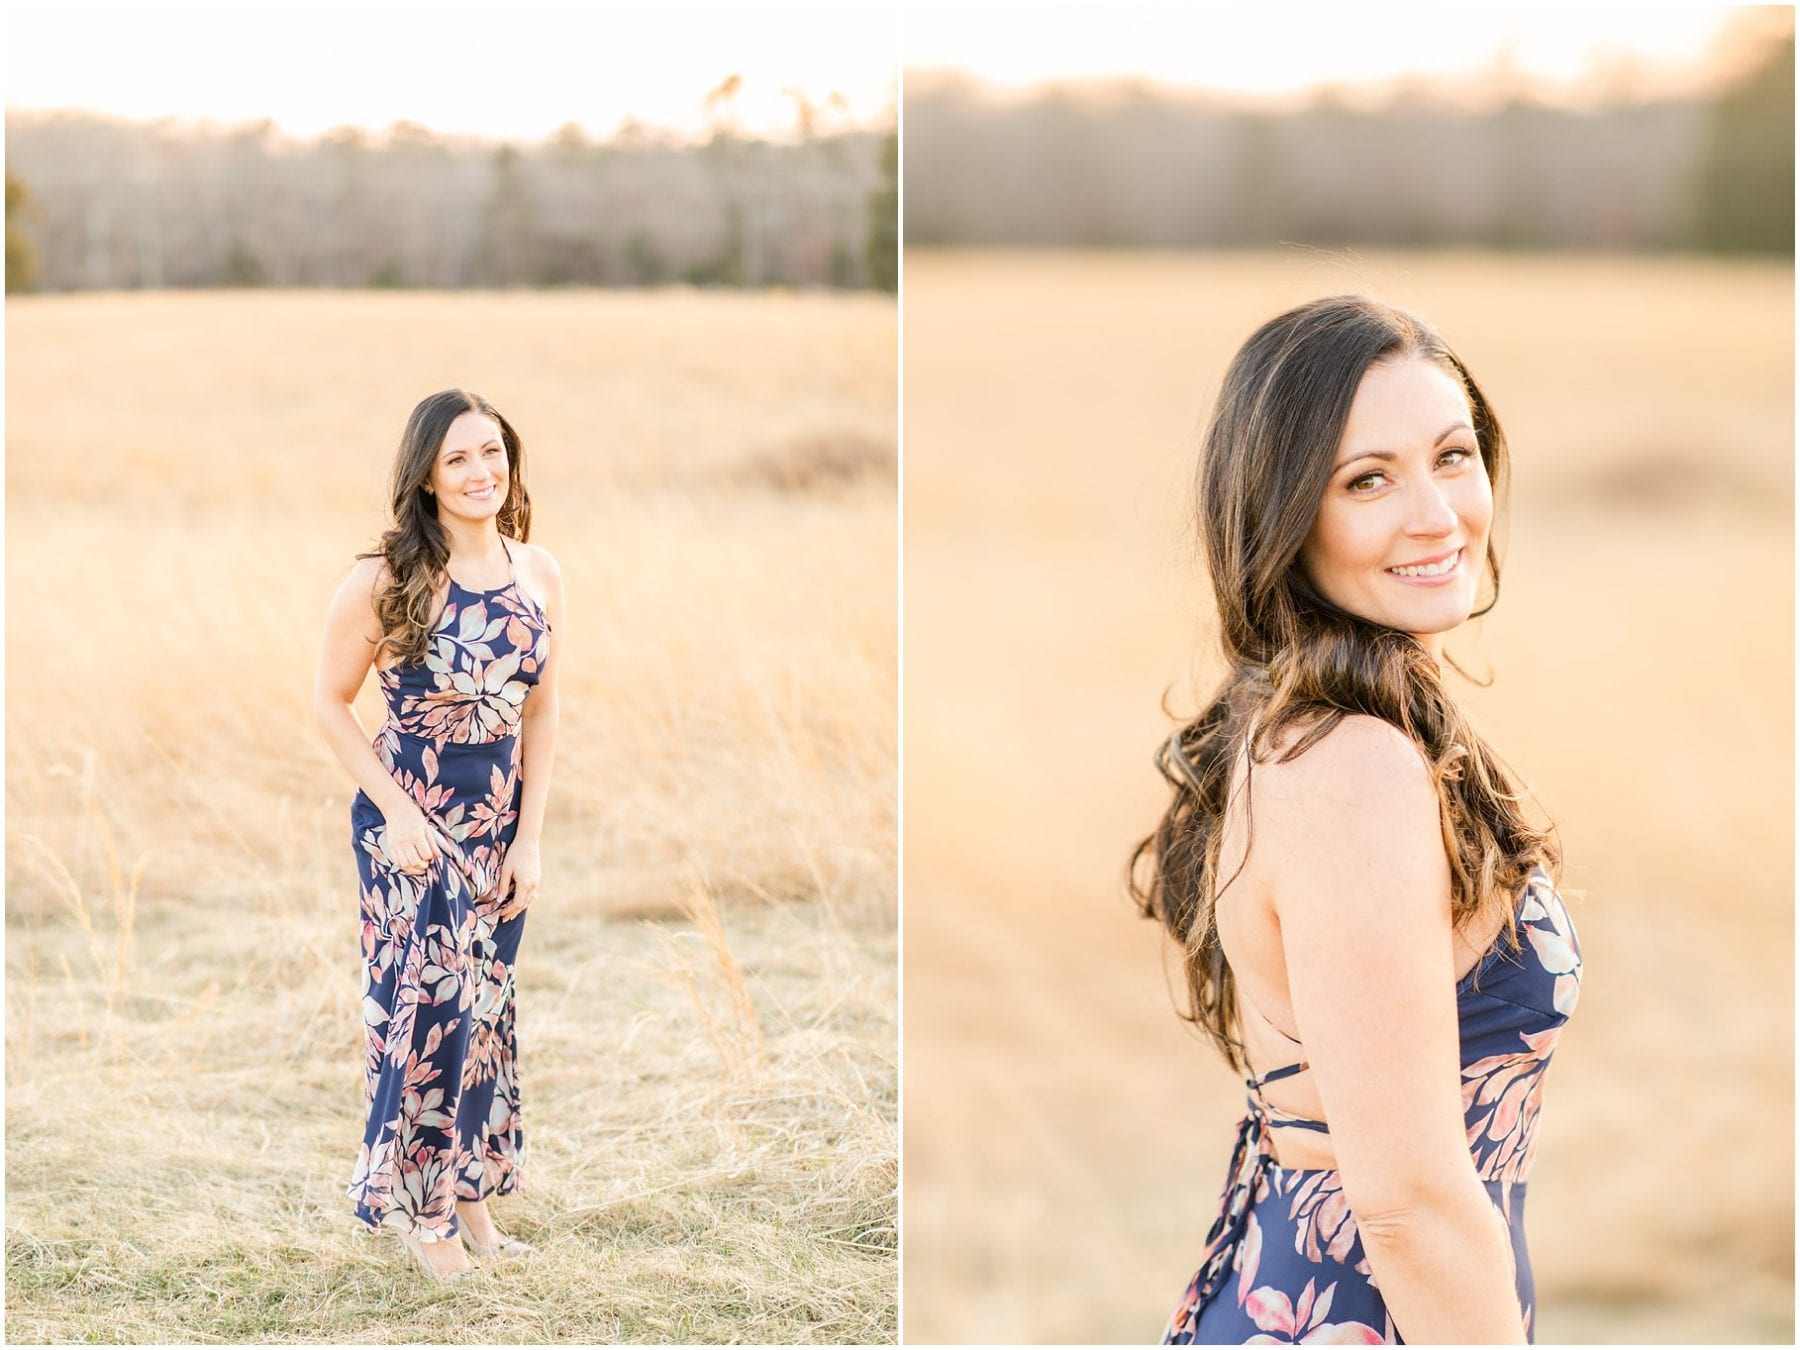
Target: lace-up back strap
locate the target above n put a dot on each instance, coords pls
(1276, 1075)
(1273, 1115)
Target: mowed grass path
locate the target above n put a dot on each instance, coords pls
(707, 986)
(1066, 1136)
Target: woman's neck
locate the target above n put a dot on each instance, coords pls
(473, 542)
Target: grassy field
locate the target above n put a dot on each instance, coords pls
(1065, 1135)
(707, 988)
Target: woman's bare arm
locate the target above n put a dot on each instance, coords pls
(345, 655)
(522, 869)
(1348, 836)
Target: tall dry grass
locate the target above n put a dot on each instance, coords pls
(1065, 1136)
(707, 985)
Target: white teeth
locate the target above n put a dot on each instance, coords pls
(1430, 569)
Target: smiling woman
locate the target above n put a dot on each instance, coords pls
(1427, 502)
(446, 823)
(1345, 864)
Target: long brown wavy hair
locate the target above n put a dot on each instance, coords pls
(1298, 663)
(414, 546)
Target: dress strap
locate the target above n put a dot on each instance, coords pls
(1275, 1117)
(1276, 1075)
(1267, 1020)
(1246, 1001)
(1283, 1121)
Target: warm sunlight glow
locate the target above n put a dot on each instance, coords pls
(1282, 50)
(518, 70)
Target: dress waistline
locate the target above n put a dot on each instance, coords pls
(441, 748)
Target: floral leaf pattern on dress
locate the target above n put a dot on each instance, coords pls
(478, 671)
(440, 1063)
(1274, 1312)
(1502, 1095)
(1249, 1256)
(1326, 1232)
(1551, 933)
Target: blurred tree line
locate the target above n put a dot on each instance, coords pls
(117, 204)
(1126, 165)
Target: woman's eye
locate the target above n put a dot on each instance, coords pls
(1457, 454)
(1365, 482)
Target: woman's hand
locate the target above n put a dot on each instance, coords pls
(410, 846)
(522, 870)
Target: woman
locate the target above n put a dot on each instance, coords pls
(455, 611)
(1368, 928)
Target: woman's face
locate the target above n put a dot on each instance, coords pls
(1401, 537)
(470, 476)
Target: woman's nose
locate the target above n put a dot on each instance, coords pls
(1432, 514)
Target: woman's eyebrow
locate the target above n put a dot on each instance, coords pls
(1390, 455)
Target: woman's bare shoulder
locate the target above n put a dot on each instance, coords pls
(541, 577)
(353, 610)
(538, 559)
(1361, 796)
(363, 581)
(1360, 754)
(1347, 835)
(369, 571)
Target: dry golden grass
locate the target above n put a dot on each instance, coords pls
(1065, 1136)
(707, 989)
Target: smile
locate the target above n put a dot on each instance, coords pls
(1430, 571)
(482, 494)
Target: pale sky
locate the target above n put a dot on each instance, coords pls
(1274, 49)
(525, 67)
(519, 68)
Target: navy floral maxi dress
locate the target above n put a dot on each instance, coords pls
(1284, 1264)
(440, 1068)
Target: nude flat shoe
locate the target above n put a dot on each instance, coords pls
(510, 1248)
(417, 1248)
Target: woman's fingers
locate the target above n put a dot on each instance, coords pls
(522, 897)
(421, 853)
